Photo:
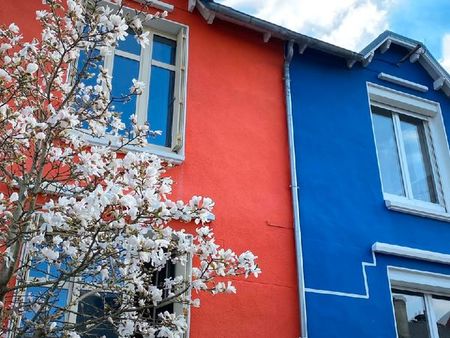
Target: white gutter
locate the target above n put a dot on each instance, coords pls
(294, 192)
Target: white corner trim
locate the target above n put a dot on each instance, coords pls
(402, 100)
(415, 209)
(402, 82)
(407, 252)
(157, 4)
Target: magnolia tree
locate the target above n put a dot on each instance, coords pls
(79, 221)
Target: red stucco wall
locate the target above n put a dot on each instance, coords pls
(237, 154)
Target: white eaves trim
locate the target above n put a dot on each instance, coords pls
(402, 82)
(407, 252)
(433, 68)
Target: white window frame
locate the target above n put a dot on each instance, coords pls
(179, 33)
(184, 270)
(426, 283)
(401, 103)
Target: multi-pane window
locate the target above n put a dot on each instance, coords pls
(405, 155)
(421, 315)
(161, 66)
(91, 307)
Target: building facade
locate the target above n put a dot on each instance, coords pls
(226, 132)
(373, 170)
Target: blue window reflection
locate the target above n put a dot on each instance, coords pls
(130, 44)
(164, 50)
(124, 71)
(91, 68)
(160, 105)
(55, 298)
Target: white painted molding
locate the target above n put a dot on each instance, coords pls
(191, 5)
(403, 82)
(407, 252)
(417, 210)
(385, 46)
(438, 83)
(157, 4)
(364, 295)
(433, 68)
(267, 36)
(420, 280)
(368, 59)
(402, 100)
(417, 54)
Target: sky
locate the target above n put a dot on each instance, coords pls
(352, 24)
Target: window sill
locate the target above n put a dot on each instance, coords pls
(164, 153)
(414, 208)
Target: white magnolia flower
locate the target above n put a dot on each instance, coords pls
(32, 68)
(4, 75)
(50, 254)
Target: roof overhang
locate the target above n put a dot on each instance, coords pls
(211, 10)
(417, 53)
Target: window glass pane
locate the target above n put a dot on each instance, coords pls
(410, 315)
(418, 159)
(164, 50)
(91, 68)
(54, 300)
(160, 106)
(124, 71)
(39, 270)
(441, 308)
(158, 277)
(94, 306)
(130, 44)
(386, 144)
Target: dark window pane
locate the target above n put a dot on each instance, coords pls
(160, 106)
(130, 44)
(387, 150)
(158, 277)
(164, 50)
(410, 315)
(124, 71)
(441, 308)
(418, 159)
(93, 309)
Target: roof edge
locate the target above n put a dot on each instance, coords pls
(211, 10)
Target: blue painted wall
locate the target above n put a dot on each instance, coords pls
(342, 209)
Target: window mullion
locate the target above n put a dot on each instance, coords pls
(402, 156)
(431, 318)
(144, 76)
(109, 65)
